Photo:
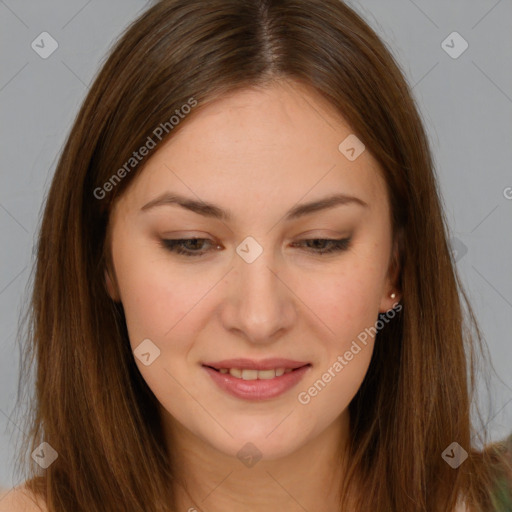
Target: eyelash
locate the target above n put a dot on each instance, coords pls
(176, 245)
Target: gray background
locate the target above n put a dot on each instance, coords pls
(466, 104)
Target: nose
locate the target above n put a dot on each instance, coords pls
(260, 305)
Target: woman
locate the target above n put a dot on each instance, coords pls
(244, 296)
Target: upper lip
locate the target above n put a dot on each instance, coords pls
(251, 364)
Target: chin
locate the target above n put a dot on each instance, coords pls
(260, 440)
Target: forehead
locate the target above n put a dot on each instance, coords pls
(275, 145)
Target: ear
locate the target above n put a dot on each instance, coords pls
(111, 286)
(393, 278)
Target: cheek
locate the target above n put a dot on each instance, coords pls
(332, 388)
(155, 297)
(351, 312)
(159, 305)
(348, 303)
(347, 300)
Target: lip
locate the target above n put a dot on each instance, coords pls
(251, 364)
(255, 390)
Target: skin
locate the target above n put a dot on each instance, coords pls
(258, 153)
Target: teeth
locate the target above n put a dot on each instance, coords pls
(247, 374)
(267, 374)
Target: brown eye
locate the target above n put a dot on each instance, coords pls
(187, 246)
(327, 245)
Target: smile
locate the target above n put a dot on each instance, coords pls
(253, 380)
(254, 374)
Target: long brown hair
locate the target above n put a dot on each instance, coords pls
(91, 403)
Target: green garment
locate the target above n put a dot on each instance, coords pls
(502, 496)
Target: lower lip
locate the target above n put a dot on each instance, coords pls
(257, 389)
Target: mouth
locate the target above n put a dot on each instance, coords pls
(252, 374)
(256, 380)
(250, 369)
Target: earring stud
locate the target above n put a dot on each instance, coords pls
(393, 295)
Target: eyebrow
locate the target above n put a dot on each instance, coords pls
(210, 210)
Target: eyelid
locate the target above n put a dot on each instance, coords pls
(175, 245)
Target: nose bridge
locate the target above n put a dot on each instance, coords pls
(257, 283)
(260, 300)
(258, 277)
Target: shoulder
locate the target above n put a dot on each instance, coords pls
(20, 499)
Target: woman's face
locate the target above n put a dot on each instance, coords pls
(256, 288)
